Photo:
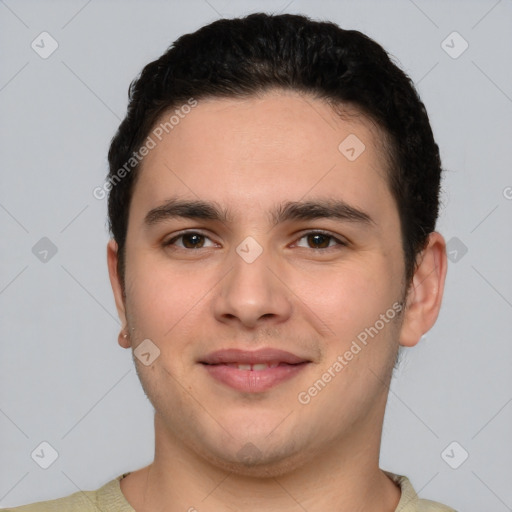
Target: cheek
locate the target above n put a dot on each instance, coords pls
(348, 297)
(156, 298)
(163, 300)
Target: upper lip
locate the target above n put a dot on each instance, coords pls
(264, 355)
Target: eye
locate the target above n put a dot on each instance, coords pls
(189, 240)
(320, 240)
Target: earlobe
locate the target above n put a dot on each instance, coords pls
(123, 339)
(117, 289)
(425, 292)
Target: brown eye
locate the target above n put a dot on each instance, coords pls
(319, 240)
(192, 240)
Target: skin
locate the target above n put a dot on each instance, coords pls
(248, 156)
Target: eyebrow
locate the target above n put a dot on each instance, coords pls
(188, 209)
(291, 210)
(320, 209)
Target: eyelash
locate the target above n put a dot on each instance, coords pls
(339, 243)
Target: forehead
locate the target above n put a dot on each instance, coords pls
(281, 145)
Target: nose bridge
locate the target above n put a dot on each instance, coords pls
(251, 292)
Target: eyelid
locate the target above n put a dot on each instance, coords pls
(179, 234)
(340, 241)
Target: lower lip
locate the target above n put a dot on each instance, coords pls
(253, 381)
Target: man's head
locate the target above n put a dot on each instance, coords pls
(286, 200)
(245, 57)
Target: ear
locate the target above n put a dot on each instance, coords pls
(117, 288)
(425, 292)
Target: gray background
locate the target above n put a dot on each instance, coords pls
(65, 380)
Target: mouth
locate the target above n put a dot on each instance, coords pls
(256, 367)
(253, 371)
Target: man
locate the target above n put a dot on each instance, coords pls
(273, 200)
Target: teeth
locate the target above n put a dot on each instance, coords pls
(254, 367)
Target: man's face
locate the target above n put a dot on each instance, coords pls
(271, 275)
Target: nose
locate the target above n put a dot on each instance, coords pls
(251, 294)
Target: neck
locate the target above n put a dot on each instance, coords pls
(345, 477)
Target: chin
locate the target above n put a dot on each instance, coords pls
(251, 461)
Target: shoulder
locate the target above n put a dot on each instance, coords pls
(433, 506)
(79, 502)
(410, 501)
(108, 498)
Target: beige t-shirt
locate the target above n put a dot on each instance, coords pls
(110, 498)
